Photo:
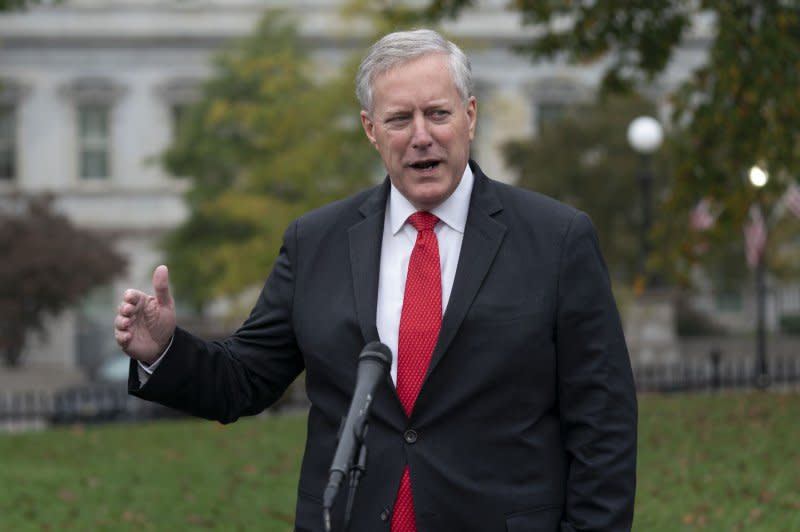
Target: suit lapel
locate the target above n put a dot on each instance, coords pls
(365, 259)
(365, 238)
(482, 238)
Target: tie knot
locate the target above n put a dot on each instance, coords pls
(423, 221)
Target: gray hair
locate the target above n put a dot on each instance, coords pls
(403, 46)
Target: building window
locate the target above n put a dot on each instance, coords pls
(728, 301)
(179, 95)
(549, 113)
(93, 123)
(554, 98)
(8, 143)
(93, 100)
(178, 112)
(94, 344)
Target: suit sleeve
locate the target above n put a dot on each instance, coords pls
(597, 398)
(242, 374)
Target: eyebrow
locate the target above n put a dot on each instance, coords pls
(429, 105)
(395, 114)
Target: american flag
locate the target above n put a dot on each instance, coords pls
(791, 199)
(701, 217)
(755, 236)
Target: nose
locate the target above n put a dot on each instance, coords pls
(420, 136)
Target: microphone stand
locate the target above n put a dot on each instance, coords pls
(350, 458)
(357, 470)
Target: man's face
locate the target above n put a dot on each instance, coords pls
(422, 129)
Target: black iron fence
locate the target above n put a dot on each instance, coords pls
(90, 403)
(716, 373)
(99, 403)
(103, 403)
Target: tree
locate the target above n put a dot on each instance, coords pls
(738, 109)
(6, 5)
(585, 160)
(269, 139)
(48, 265)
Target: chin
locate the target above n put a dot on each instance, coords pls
(428, 200)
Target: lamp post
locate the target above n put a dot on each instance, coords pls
(645, 136)
(758, 178)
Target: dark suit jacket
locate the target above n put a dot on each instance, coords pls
(526, 420)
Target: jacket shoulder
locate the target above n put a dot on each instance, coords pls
(344, 211)
(532, 205)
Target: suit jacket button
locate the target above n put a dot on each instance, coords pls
(410, 436)
(385, 514)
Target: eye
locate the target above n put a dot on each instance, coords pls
(439, 115)
(397, 121)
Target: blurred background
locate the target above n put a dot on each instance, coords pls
(141, 132)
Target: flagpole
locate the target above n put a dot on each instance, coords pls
(762, 371)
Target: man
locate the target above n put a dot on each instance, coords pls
(511, 404)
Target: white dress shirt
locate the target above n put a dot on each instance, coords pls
(399, 238)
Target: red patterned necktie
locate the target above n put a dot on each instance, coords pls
(420, 322)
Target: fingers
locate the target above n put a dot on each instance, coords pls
(126, 314)
(161, 286)
(130, 303)
(132, 297)
(121, 323)
(123, 338)
(122, 333)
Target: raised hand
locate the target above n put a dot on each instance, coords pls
(145, 323)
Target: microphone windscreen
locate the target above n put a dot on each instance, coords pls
(377, 350)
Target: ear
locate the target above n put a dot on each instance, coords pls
(472, 115)
(369, 128)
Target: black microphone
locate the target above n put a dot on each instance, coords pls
(373, 365)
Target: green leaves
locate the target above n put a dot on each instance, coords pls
(20, 4)
(268, 141)
(637, 36)
(738, 109)
(585, 160)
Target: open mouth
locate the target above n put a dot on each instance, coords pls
(425, 165)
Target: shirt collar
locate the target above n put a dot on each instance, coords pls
(453, 211)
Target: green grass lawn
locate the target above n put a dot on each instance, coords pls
(715, 462)
(170, 476)
(719, 462)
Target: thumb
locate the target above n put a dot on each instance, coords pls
(161, 285)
